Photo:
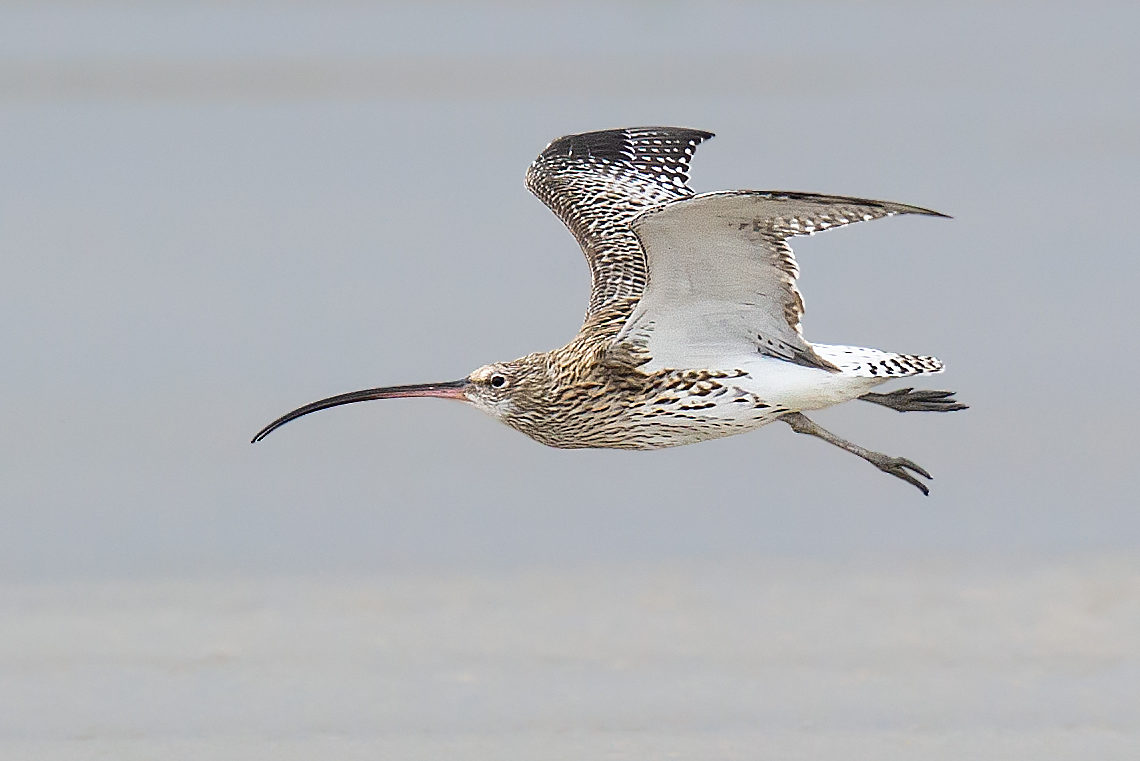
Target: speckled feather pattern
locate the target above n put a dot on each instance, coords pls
(592, 393)
(597, 182)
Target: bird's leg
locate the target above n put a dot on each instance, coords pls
(896, 466)
(922, 400)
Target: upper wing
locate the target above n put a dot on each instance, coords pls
(597, 182)
(722, 278)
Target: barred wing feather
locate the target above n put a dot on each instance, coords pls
(597, 182)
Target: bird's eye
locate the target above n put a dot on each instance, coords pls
(498, 381)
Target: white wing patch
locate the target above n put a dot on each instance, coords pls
(722, 279)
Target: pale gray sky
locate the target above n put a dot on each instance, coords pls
(210, 215)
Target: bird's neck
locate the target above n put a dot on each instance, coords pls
(593, 356)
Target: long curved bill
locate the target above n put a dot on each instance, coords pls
(448, 390)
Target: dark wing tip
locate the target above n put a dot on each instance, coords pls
(895, 207)
(658, 153)
(619, 144)
(658, 156)
(927, 212)
(890, 207)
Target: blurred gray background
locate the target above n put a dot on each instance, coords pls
(211, 214)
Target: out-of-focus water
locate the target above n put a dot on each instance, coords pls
(211, 214)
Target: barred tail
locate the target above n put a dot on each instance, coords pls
(872, 363)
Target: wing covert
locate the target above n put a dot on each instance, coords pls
(597, 182)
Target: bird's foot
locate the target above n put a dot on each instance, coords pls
(916, 400)
(898, 467)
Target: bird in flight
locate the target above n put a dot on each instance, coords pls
(693, 330)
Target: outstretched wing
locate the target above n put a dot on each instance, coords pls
(722, 278)
(597, 182)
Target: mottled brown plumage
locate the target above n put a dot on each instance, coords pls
(692, 331)
(592, 393)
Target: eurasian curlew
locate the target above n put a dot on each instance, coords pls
(693, 326)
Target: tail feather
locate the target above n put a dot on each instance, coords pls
(872, 363)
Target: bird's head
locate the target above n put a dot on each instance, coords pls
(502, 389)
(505, 390)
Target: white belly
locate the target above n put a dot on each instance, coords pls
(770, 389)
(796, 387)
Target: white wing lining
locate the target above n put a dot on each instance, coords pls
(722, 279)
